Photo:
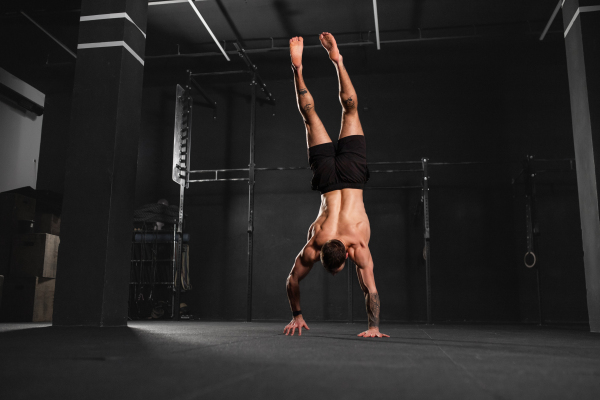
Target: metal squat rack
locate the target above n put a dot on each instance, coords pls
(182, 173)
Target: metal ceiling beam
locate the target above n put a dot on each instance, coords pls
(352, 44)
(256, 77)
(61, 44)
(78, 10)
(551, 20)
(232, 26)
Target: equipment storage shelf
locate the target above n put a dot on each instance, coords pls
(153, 273)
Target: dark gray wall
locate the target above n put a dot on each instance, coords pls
(473, 102)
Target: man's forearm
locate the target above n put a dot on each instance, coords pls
(372, 303)
(293, 293)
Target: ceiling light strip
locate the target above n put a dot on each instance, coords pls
(550, 21)
(164, 3)
(580, 10)
(110, 16)
(110, 44)
(208, 29)
(376, 24)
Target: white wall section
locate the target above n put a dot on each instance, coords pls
(20, 136)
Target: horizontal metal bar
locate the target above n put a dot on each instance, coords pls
(553, 159)
(396, 170)
(393, 187)
(221, 73)
(281, 168)
(218, 180)
(291, 169)
(540, 171)
(211, 103)
(218, 170)
(151, 283)
(472, 163)
(394, 162)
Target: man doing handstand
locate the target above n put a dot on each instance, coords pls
(342, 226)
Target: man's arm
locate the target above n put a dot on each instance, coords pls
(366, 278)
(301, 268)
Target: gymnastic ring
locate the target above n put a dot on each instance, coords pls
(534, 259)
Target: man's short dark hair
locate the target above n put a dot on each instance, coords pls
(333, 254)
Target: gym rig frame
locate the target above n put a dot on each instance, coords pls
(182, 173)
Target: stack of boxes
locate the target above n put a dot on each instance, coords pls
(28, 257)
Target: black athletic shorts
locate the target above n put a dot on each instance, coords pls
(338, 169)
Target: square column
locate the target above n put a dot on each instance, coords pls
(92, 280)
(581, 19)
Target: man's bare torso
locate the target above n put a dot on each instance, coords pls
(341, 216)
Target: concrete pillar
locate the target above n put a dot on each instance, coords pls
(581, 20)
(94, 255)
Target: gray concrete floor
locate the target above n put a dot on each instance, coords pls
(237, 360)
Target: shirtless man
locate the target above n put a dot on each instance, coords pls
(342, 226)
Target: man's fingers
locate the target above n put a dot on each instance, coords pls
(386, 335)
(300, 330)
(293, 330)
(306, 326)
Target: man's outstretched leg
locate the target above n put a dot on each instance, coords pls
(348, 99)
(315, 131)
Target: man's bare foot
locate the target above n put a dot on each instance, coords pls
(296, 47)
(330, 45)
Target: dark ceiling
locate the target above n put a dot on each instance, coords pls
(264, 26)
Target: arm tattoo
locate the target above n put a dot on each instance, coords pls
(302, 92)
(349, 103)
(372, 302)
(308, 107)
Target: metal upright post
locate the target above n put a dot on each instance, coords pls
(181, 173)
(426, 236)
(251, 199)
(349, 264)
(179, 237)
(532, 229)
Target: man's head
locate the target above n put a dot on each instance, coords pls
(333, 256)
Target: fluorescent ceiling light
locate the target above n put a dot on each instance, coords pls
(208, 29)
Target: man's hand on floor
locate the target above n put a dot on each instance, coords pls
(372, 332)
(297, 322)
